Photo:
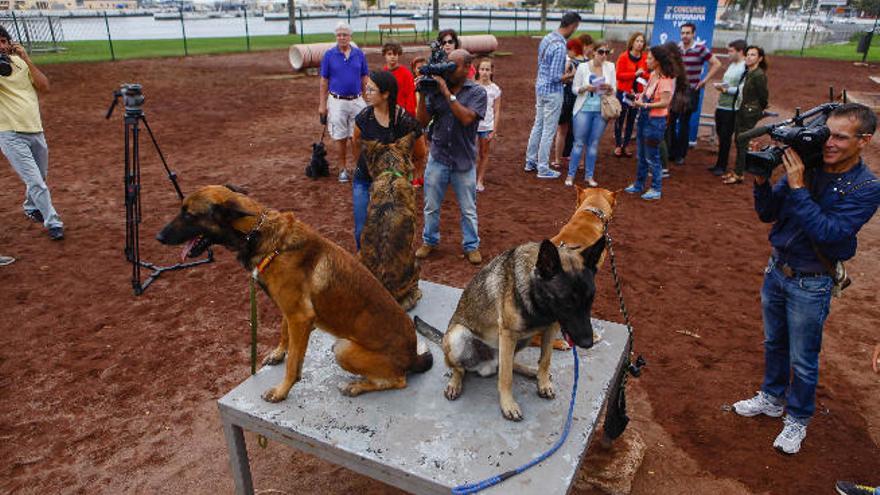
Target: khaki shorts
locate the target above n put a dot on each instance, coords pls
(341, 114)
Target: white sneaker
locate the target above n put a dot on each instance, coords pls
(592, 183)
(343, 176)
(789, 440)
(569, 181)
(759, 404)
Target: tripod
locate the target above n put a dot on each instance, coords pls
(133, 100)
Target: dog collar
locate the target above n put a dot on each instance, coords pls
(261, 266)
(257, 227)
(596, 211)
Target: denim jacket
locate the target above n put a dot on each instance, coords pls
(831, 220)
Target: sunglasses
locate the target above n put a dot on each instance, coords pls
(448, 42)
(603, 51)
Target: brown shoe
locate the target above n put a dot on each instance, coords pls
(474, 257)
(423, 251)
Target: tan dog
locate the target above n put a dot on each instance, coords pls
(311, 280)
(583, 229)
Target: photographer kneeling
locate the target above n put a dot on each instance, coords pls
(456, 104)
(816, 213)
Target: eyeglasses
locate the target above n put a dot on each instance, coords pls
(603, 51)
(449, 42)
(369, 90)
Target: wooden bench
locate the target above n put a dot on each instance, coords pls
(398, 30)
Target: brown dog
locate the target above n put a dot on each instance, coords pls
(583, 229)
(387, 238)
(312, 281)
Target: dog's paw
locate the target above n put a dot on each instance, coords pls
(561, 345)
(546, 391)
(453, 390)
(511, 410)
(351, 389)
(272, 395)
(274, 357)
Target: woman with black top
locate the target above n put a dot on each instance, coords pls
(383, 121)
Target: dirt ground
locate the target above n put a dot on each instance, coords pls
(104, 392)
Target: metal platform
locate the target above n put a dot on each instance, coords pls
(414, 438)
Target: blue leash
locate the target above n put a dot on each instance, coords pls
(469, 488)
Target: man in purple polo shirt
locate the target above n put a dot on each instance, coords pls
(694, 55)
(343, 76)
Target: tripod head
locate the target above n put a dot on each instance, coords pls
(132, 98)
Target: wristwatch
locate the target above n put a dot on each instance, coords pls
(452, 98)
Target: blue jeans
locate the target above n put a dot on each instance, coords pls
(547, 108)
(588, 129)
(649, 134)
(794, 314)
(360, 200)
(438, 177)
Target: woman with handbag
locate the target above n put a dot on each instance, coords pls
(594, 84)
(751, 101)
(653, 107)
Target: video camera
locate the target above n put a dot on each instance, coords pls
(5, 65)
(806, 137)
(132, 98)
(437, 65)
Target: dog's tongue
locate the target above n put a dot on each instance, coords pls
(186, 247)
(568, 339)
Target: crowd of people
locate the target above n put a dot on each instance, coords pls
(651, 92)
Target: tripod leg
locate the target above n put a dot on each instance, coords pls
(172, 176)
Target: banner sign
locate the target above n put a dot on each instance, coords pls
(669, 15)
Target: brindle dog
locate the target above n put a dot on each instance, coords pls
(387, 238)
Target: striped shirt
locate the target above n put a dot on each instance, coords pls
(693, 59)
(551, 64)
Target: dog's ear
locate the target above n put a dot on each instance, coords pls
(231, 210)
(581, 195)
(371, 149)
(405, 143)
(548, 264)
(593, 254)
(236, 189)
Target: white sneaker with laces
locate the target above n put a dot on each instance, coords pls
(569, 181)
(791, 436)
(759, 404)
(343, 176)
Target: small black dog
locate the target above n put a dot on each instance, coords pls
(318, 167)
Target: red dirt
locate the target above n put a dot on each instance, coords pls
(106, 392)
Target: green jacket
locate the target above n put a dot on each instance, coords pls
(753, 95)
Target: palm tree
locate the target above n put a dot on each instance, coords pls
(291, 16)
(435, 17)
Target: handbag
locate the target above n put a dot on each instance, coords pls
(610, 107)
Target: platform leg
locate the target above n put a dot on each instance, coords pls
(238, 459)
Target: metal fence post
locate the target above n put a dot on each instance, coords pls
(247, 31)
(806, 32)
(27, 35)
(489, 30)
(528, 18)
(390, 14)
(15, 22)
(604, 6)
(183, 31)
(348, 14)
(514, 23)
(52, 33)
(460, 31)
(302, 34)
(109, 37)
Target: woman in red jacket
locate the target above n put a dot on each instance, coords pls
(631, 66)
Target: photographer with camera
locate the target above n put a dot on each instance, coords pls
(816, 211)
(456, 104)
(21, 131)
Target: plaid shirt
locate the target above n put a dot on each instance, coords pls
(551, 64)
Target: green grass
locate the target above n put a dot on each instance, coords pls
(99, 50)
(846, 51)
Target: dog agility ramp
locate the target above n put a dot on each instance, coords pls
(414, 438)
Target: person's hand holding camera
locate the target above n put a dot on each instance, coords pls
(442, 87)
(794, 168)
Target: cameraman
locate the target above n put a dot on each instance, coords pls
(815, 222)
(21, 133)
(456, 106)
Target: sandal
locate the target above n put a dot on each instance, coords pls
(627, 153)
(618, 152)
(733, 179)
